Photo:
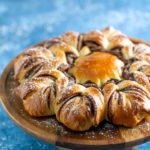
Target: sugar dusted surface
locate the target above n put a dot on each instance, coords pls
(105, 133)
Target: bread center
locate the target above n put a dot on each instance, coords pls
(98, 67)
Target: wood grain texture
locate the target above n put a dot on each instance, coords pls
(48, 129)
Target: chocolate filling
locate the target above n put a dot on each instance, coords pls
(134, 88)
(33, 71)
(109, 107)
(47, 75)
(88, 97)
(126, 74)
(93, 105)
(64, 100)
(71, 78)
(53, 78)
(91, 44)
(52, 42)
(117, 52)
(91, 84)
(120, 99)
(70, 58)
(115, 81)
(142, 67)
(54, 90)
(80, 42)
(98, 49)
(63, 67)
(48, 91)
(65, 96)
(30, 61)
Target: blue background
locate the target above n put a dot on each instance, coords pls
(26, 22)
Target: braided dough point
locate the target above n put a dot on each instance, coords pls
(38, 96)
(80, 108)
(127, 102)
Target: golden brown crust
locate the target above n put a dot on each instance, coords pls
(119, 40)
(36, 95)
(39, 93)
(140, 71)
(30, 61)
(64, 76)
(70, 38)
(142, 52)
(79, 108)
(96, 37)
(127, 102)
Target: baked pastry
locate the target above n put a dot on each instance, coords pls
(86, 78)
(127, 102)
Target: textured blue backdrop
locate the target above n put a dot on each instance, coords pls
(23, 23)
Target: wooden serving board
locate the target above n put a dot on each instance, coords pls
(105, 136)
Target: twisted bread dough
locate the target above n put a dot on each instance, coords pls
(127, 102)
(47, 88)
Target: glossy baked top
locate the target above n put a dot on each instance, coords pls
(98, 67)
